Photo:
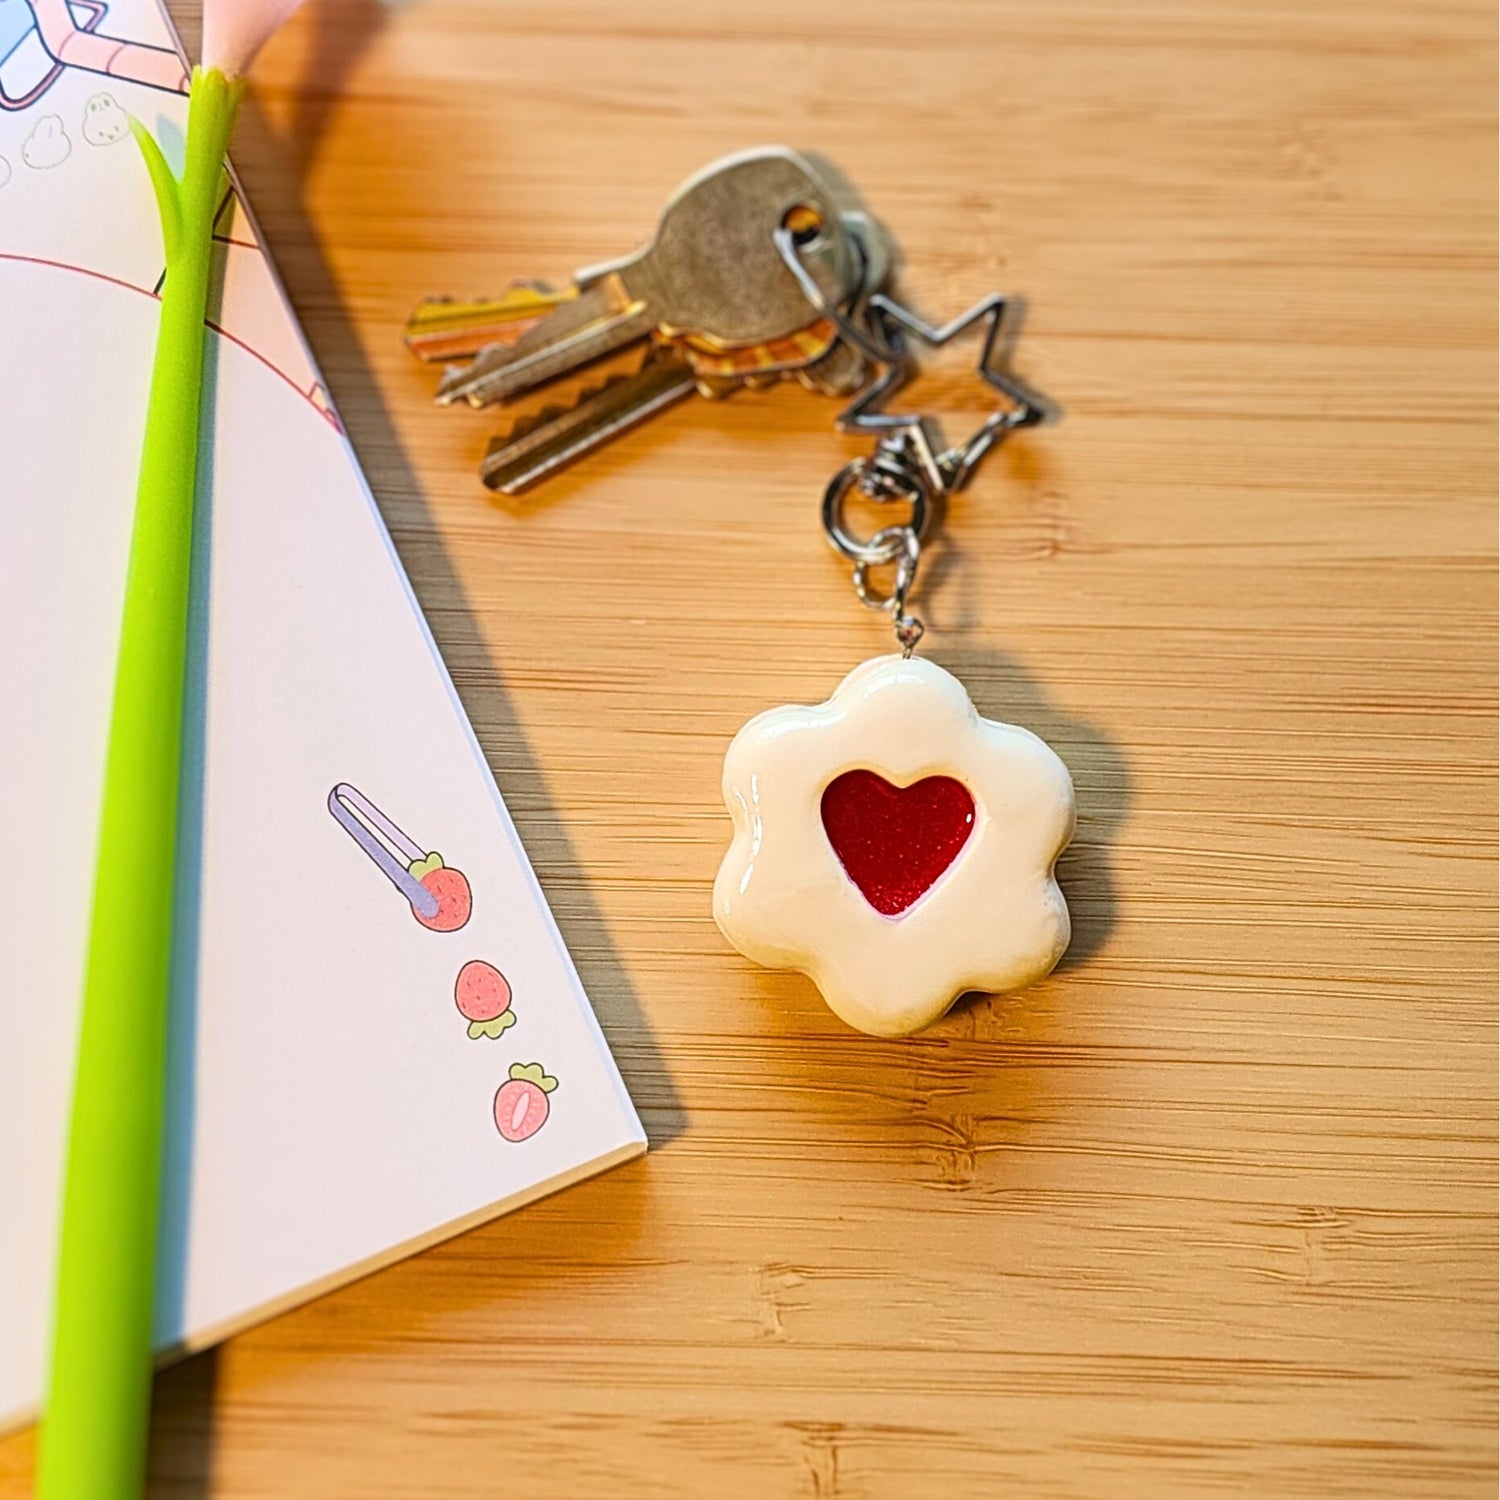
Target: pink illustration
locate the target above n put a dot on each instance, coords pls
(521, 1105)
(439, 897)
(39, 38)
(482, 995)
(40, 41)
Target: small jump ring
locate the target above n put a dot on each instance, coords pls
(874, 551)
(906, 557)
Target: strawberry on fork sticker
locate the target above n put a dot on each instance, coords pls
(440, 898)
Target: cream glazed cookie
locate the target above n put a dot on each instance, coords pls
(895, 847)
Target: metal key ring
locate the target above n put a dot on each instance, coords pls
(906, 558)
(863, 338)
(875, 551)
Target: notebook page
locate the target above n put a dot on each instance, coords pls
(364, 956)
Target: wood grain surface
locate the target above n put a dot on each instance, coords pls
(1210, 1212)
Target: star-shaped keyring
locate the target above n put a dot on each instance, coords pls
(945, 469)
(910, 445)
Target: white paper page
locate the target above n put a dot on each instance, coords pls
(330, 1105)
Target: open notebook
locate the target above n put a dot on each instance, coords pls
(379, 1037)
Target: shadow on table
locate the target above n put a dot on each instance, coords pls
(362, 407)
(182, 1430)
(1101, 778)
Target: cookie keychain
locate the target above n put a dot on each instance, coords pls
(890, 843)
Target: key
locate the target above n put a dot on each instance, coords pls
(596, 321)
(623, 395)
(815, 355)
(542, 444)
(844, 369)
(776, 357)
(712, 273)
(446, 328)
(539, 446)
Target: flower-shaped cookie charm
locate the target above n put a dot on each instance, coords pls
(895, 847)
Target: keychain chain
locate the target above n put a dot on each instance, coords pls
(886, 478)
(909, 464)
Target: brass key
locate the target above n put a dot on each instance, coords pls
(449, 328)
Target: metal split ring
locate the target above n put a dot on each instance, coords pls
(887, 544)
(906, 556)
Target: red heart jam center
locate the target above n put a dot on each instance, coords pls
(895, 841)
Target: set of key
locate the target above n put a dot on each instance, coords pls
(711, 305)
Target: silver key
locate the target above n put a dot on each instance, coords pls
(599, 320)
(539, 446)
(712, 271)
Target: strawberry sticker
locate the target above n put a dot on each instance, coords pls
(482, 994)
(521, 1105)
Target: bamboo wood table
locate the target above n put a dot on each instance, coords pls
(1211, 1211)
